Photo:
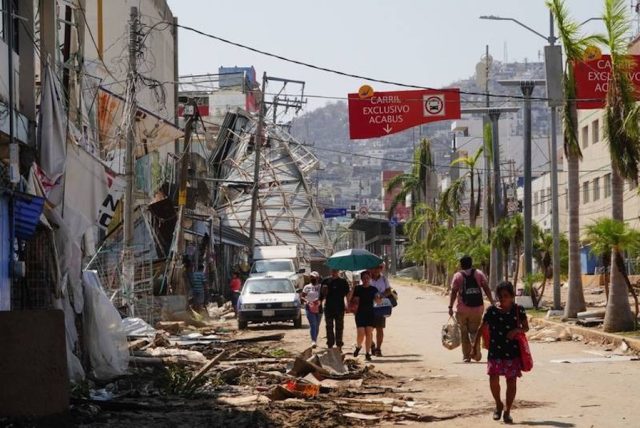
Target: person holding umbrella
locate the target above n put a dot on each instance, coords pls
(365, 295)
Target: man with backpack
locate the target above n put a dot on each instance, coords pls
(466, 287)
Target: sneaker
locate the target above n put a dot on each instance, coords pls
(313, 344)
(466, 360)
(339, 348)
(377, 352)
(367, 357)
(357, 351)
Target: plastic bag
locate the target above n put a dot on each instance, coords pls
(451, 334)
(105, 339)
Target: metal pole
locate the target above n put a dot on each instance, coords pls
(494, 115)
(486, 224)
(555, 203)
(394, 255)
(257, 142)
(555, 211)
(527, 90)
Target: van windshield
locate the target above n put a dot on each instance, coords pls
(268, 286)
(263, 266)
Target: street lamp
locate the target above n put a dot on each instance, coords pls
(551, 52)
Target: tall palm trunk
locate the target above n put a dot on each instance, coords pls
(516, 271)
(472, 201)
(575, 299)
(618, 316)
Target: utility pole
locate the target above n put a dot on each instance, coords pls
(14, 148)
(394, 255)
(128, 265)
(527, 87)
(486, 224)
(257, 147)
(494, 116)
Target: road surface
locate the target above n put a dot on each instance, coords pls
(595, 394)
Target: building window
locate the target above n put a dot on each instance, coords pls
(549, 203)
(596, 189)
(585, 137)
(535, 203)
(585, 192)
(595, 131)
(607, 186)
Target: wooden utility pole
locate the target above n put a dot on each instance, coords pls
(128, 265)
(257, 147)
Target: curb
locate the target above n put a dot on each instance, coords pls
(589, 334)
(416, 283)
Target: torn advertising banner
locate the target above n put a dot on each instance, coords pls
(92, 191)
(152, 131)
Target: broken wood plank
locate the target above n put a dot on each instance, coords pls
(138, 344)
(262, 338)
(264, 360)
(207, 367)
(301, 368)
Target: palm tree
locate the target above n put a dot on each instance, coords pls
(574, 44)
(610, 236)
(501, 239)
(516, 226)
(623, 132)
(418, 182)
(470, 162)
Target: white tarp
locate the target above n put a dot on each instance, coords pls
(105, 339)
(52, 136)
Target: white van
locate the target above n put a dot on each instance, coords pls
(271, 297)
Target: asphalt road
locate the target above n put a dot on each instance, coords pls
(594, 394)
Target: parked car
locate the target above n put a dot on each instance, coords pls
(271, 297)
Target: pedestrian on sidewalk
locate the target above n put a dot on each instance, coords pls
(466, 287)
(365, 295)
(197, 281)
(236, 286)
(311, 298)
(334, 291)
(381, 283)
(503, 322)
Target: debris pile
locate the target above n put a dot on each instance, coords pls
(212, 373)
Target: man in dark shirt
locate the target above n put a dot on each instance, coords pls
(334, 292)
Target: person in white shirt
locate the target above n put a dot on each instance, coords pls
(311, 298)
(379, 281)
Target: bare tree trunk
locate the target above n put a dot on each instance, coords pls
(622, 268)
(517, 269)
(575, 300)
(618, 316)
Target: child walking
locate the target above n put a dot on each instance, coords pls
(504, 321)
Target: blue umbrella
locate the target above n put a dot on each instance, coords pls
(354, 259)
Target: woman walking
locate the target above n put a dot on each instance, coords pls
(313, 306)
(504, 322)
(365, 295)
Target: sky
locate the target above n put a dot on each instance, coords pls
(423, 42)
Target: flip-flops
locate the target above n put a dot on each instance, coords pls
(497, 414)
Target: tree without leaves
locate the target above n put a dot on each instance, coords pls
(622, 130)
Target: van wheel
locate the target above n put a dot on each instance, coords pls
(297, 323)
(242, 325)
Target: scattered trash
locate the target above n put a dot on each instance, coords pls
(609, 359)
(137, 327)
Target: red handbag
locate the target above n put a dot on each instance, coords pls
(526, 359)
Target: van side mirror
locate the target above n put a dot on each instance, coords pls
(302, 271)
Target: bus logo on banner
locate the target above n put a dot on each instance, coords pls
(377, 114)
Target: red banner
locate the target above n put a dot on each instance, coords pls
(592, 81)
(386, 113)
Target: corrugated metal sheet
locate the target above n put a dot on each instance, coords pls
(26, 210)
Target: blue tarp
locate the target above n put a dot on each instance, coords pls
(26, 213)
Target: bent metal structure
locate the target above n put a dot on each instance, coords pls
(287, 210)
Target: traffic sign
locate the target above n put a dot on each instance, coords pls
(335, 212)
(384, 113)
